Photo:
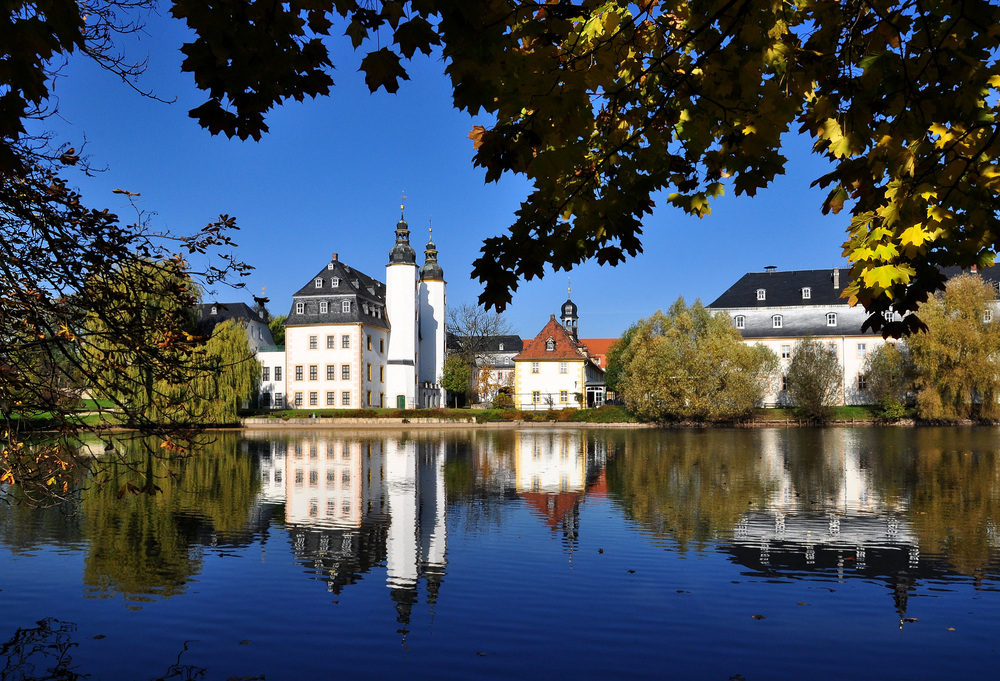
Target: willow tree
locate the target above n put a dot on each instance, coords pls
(814, 379)
(692, 364)
(231, 375)
(957, 357)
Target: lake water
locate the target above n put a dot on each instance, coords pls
(860, 553)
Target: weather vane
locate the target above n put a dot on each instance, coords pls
(402, 199)
(569, 287)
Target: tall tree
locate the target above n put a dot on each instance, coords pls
(692, 364)
(277, 326)
(603, 103)
(473, 330)
(889, 372)
(814, 378)
(956, 358)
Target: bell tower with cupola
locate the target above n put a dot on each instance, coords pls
(401, 307)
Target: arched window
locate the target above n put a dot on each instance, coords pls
(740, 321)
(550, 345)
(806, 293)
(831, 318)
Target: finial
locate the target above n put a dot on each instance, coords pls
(402, 200)
(569, 288)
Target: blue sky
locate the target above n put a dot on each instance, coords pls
(329, 175)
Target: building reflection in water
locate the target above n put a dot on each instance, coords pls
(554, 472)
(353, 503)
(834, 518)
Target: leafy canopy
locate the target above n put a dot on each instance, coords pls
(814, 378)
(690, 364)
(602, 104)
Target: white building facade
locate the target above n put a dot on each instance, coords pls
(353, 342)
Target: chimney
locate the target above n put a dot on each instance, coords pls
(973, 269)
(836, 278)
(334, 258)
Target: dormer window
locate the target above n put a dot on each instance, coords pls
(335, 282)
(324, 307)
(501, 347)
(831, 318)
(300, 308)
(987, 315)
(761, 294)
(887, 315)
(215, 310)
(550, 345)
(329, 266)
(740, 322)
(776, 321)
(345, 306)
(318, 283)
(806, 293)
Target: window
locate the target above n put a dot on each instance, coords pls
(324, 307)
(987, 316)
(313, 372)
(331, 342)
(345, 398)
(536, 397)
(784, 384)
(265, 399)
(887, 315)
(534, 367)
(369, 341)
(806, 293)
(265, 374)
(501, 347)
(300, 308)
(279, 400)
(562, 367)
(563, 396)
(298, 373)
(776, 321)
(313, 399)
(381, 345)
(345, 372)
(335, 282)
(831, 318)
(761, 294)
(740, 322)
(862, 383)
(277, 373)
(550, 345)
(786, 352)
(331, 399)
(862, 350)
(381, 399)
(319, 282)
(313, 342)
(345, 306)
(345, 341)
(369, 377)
(381, 373)
(331, 372)
(298, 399)
(832, 348)
(369, 396)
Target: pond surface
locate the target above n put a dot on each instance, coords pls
(722, 554)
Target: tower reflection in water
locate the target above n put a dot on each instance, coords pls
(353, 503)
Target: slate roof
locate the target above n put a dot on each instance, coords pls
(241, 312)
(783, 289)
(565, 346)
(491, 343)
(339, 282)
(801, 317)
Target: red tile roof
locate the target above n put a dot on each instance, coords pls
(566, 347)
(599, 346)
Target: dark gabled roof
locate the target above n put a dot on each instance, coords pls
(783, 289)
(565, 346)
(489, 344)
(241, 312)
(339, 282)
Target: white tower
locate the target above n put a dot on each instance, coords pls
(401, 307)
(431, 297)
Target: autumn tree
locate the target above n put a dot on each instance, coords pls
(814, 379)
(691, 364)
(889, 372)
(474, 334)
(603, 104)
(956, 358)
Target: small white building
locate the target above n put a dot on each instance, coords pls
(553, 370)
